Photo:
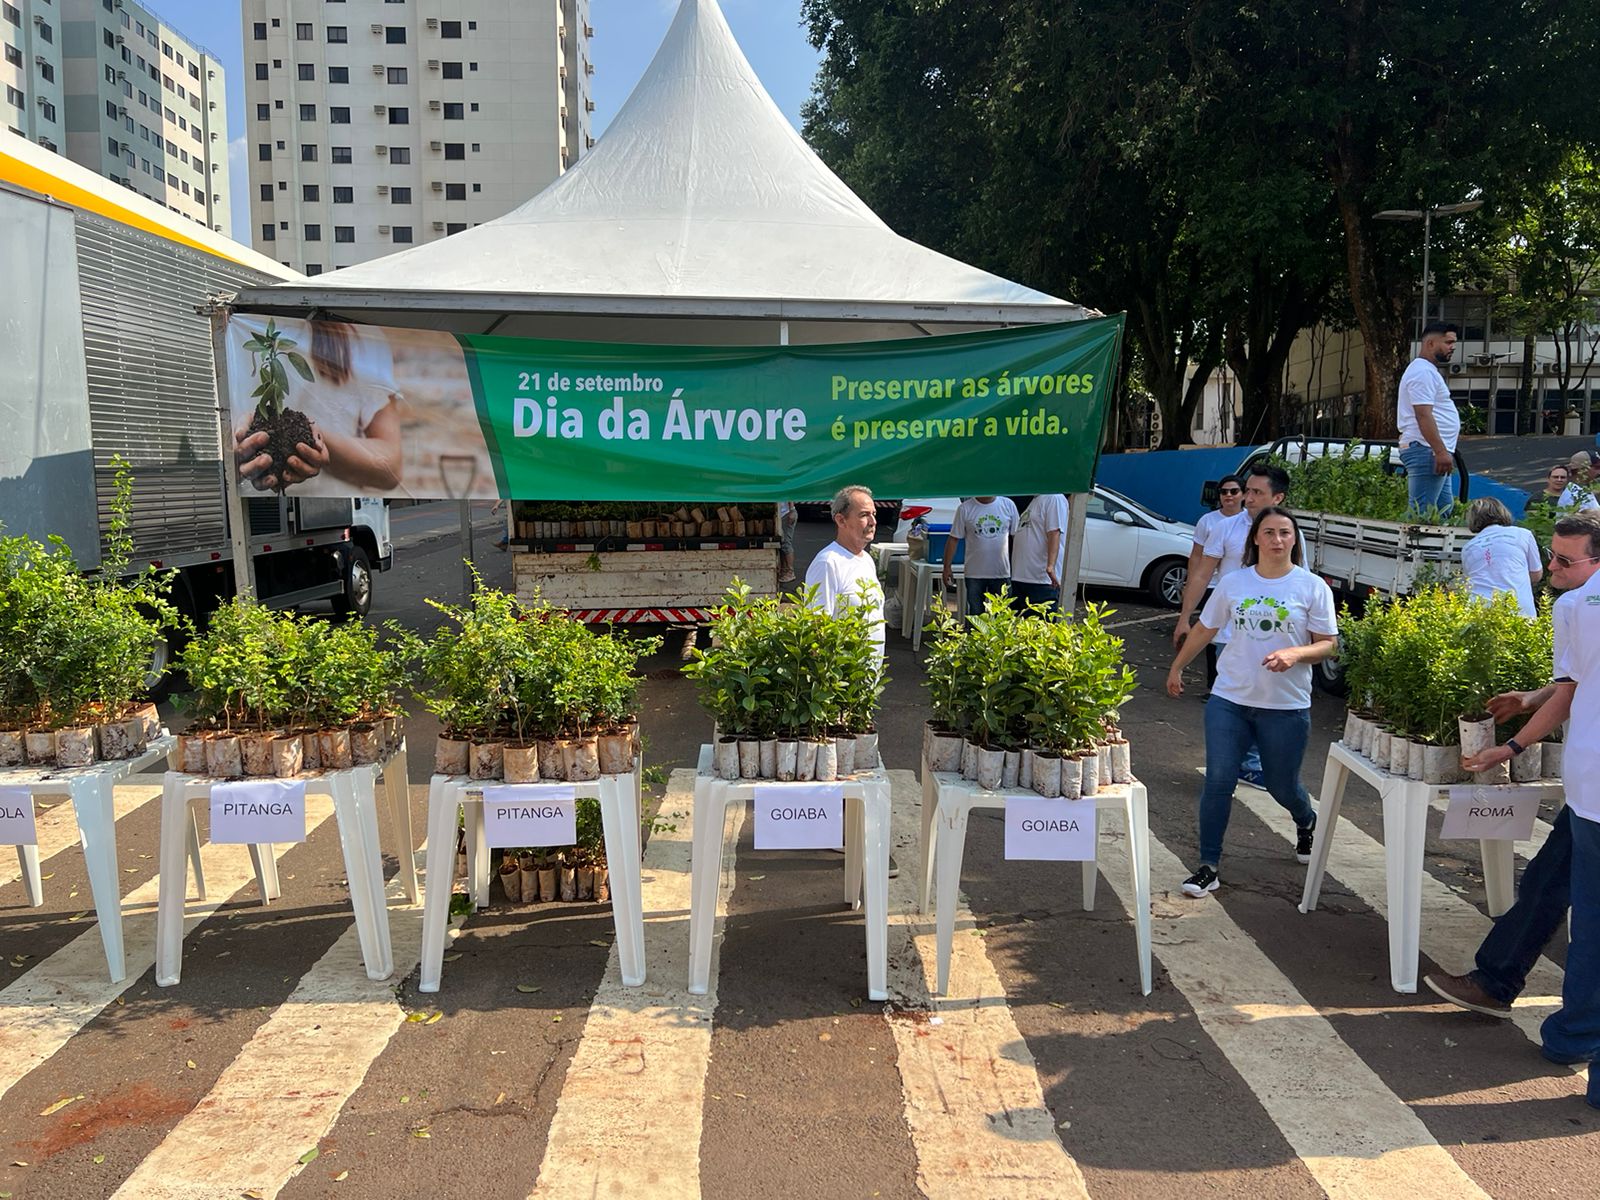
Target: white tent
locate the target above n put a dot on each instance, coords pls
(700, 216)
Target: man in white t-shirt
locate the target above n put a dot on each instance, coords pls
(1571, 1035)
(1039, 550)
(985, 524)
(1428, 422)
(1580, 475)
(1520, 934)
(843, 566)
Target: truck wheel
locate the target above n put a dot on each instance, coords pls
(1165, 581)
(357, 598)
(161, 679)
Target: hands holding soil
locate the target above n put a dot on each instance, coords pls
(277, 458)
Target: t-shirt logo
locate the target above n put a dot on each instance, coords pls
(988, 525)
(1260, 616)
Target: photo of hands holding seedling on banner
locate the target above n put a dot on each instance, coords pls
(330, 408)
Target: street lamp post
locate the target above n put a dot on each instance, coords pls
(1426, 216)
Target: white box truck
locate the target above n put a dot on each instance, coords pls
(106, 352)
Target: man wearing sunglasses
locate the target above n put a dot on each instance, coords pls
(1566, 871)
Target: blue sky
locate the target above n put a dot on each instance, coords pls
(626, 34)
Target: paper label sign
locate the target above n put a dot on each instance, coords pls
(1491, 813)
(799, 816)
(17, 826)
(530, 814)
(261, 811)
(1050, 830)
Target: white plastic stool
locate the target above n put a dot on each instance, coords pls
(355, 810)
(1405, 829)
(867, 818)
(619, 797)
(947, 799)
(91, 791)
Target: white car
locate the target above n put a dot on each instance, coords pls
(1126, 545)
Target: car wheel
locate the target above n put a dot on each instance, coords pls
(357, 598)
(1328, 675)
(1165, 581)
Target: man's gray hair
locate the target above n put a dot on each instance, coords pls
(1486, 512)
(841, 498)
(1582, 524)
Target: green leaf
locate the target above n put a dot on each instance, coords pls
(309, 1156)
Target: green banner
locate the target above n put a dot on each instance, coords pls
(402, 412)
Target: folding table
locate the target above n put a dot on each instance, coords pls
(947, 798)
(619, 799)
(1405, 819)
(867, 818)
(355, 808)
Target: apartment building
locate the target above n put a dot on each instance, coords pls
(373, 125)
(115, 88)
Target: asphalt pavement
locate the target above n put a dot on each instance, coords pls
(1271, 1058)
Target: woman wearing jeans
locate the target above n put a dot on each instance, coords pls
(1281, 620)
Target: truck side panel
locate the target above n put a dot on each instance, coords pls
(46, 468)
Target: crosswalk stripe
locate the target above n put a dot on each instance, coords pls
(67, 990)
(1451, 927)
(58, 827)
(287, 1086)
(957, 1084)
(628, 1121)
(1355, 1136)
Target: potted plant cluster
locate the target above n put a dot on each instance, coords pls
(552, 519)
(793, 691)
(75, 674)
(578, 873)
(1420, 670)
(1028, 700)
(526, 693)
(277, 694)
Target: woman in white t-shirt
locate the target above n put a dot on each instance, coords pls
(1281, 620)
(1501, 556)
(352, 402)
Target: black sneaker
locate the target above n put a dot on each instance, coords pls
(1202, 881)
(1302, 841)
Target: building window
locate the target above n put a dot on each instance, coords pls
(454, 227)
(261, 70)
(400, 195)
(401, 233)
(338, 116)
(49, 111)
(472, 67)
(397, 74)
(449, 29)
(474, 106)
(308, 153)
(111, 107)
(338, 74)
(47, 72)
(340, 154)
(452, 70)
(338, 33)
(399, 116)
(455, 191)
(268, 233)
(344, 195)
(394, 35)
(310, 192)
(105, 36)
(399, 155)
(308, 112)
(477, 187)
(454, 112)
(455, 150)
(46, 34)
(313, 233)
(13, 55)
(259, 29)
(113, 147)
(13, 15)
(21, 101)
(344, 233)
(263, 112)
(306, 72)
(266, 192)
(302, 31)
(264, 152)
